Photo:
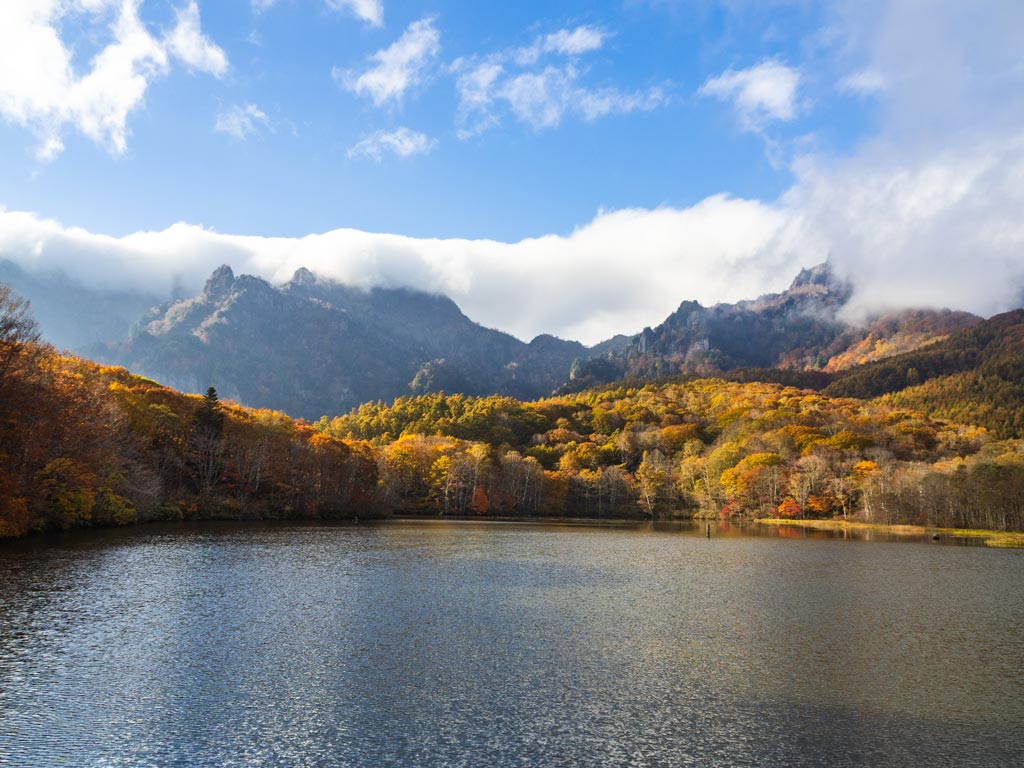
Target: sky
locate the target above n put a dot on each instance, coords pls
(575, 168)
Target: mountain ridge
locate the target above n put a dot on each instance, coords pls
(313, 346)
(798, 329)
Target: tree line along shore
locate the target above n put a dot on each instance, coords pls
(84, 444)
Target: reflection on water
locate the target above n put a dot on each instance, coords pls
(464, 644)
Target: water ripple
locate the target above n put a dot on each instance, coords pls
(418, 644)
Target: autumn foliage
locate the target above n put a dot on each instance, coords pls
(88, 445)
(683, 448)
(82, 444)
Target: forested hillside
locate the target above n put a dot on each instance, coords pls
(689, 447)
(85, 444)
(974, 376)
(82, 444)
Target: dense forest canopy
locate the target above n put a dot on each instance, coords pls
(690, 447)
(85, 444)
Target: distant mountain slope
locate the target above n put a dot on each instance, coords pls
(798, 329)
(894, 334)
(73, 316)
(789, 329)
(974, 376)
(313, 347)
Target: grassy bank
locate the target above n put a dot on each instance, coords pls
(991, 538)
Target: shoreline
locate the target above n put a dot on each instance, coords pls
(598, 521)
(998, 539)
(989, 538)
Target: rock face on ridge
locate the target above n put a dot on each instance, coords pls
(798, 329)
(313, 347)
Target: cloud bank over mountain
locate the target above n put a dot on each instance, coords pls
(925, 212)
(944, 231)
(623, 270)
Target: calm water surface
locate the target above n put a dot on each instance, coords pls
(463, 644)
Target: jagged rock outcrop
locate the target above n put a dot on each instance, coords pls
(800, 328)
(313, 347)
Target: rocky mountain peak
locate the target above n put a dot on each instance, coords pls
(314, 346)
(819, 274)
(818, 280)
(220, 283)
(302, 278)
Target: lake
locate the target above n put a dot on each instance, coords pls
(427, 643)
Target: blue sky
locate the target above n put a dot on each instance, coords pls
(287, 170)
(569, 167)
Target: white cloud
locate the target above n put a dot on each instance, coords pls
(40, 90)
(593, 104)
(541, 98)
(952, 72)
(576, 41)
(759, 94)
(623, 270)
(939, 231)
(476, 88)
(241, 121)
(864, 82)
(397, 68)
(927, 210)
(370, 11)
(564, 42)
(403, 142)
(188, 43)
